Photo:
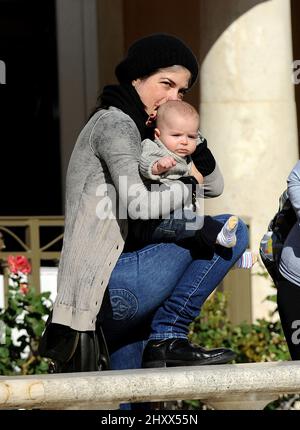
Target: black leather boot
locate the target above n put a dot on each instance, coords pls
(179, 352)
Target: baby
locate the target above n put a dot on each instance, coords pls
(167, 158)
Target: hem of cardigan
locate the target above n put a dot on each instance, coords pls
(81, 320)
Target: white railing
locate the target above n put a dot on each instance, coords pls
(34, 237)
(230, 386)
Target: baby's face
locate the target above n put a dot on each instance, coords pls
(180, 134)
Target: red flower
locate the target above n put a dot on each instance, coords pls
(18, 264)
(24, 288)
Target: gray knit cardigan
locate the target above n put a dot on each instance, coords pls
(103, 186)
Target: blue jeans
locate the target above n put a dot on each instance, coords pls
(157, 291)
(179, 226)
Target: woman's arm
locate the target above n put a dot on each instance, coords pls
(116, 140)
(206, 164)
(213, 183)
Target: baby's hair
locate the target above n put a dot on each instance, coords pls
(171, 107)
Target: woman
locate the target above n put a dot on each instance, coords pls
(145, 285)
(288, 284)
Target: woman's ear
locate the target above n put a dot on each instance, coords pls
(156, 133)
(134, 82)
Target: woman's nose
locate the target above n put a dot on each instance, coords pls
(174, 95)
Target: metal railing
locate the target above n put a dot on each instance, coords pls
(228, 386)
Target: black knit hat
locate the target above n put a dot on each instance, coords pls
(154, 52)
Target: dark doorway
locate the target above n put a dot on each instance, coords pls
(30, 178)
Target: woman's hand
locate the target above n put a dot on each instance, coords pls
(163, 165)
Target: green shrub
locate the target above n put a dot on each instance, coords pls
(22, 323)
(261, 341)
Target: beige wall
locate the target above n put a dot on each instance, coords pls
(295, 12)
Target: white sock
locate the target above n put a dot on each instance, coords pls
(247, 260)
(227, 237)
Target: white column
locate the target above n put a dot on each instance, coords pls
(248, 111)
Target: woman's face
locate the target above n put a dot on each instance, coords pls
(166, 84)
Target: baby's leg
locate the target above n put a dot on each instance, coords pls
(247, 260)
(227, 237)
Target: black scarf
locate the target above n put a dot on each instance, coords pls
(126, 98)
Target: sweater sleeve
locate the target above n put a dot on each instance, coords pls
(150, 154)
(115, 140)
(294, 188)
(213, 183)
(206, 164)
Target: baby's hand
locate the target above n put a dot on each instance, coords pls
(163, 165)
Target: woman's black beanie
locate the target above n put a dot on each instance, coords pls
(154, 52)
